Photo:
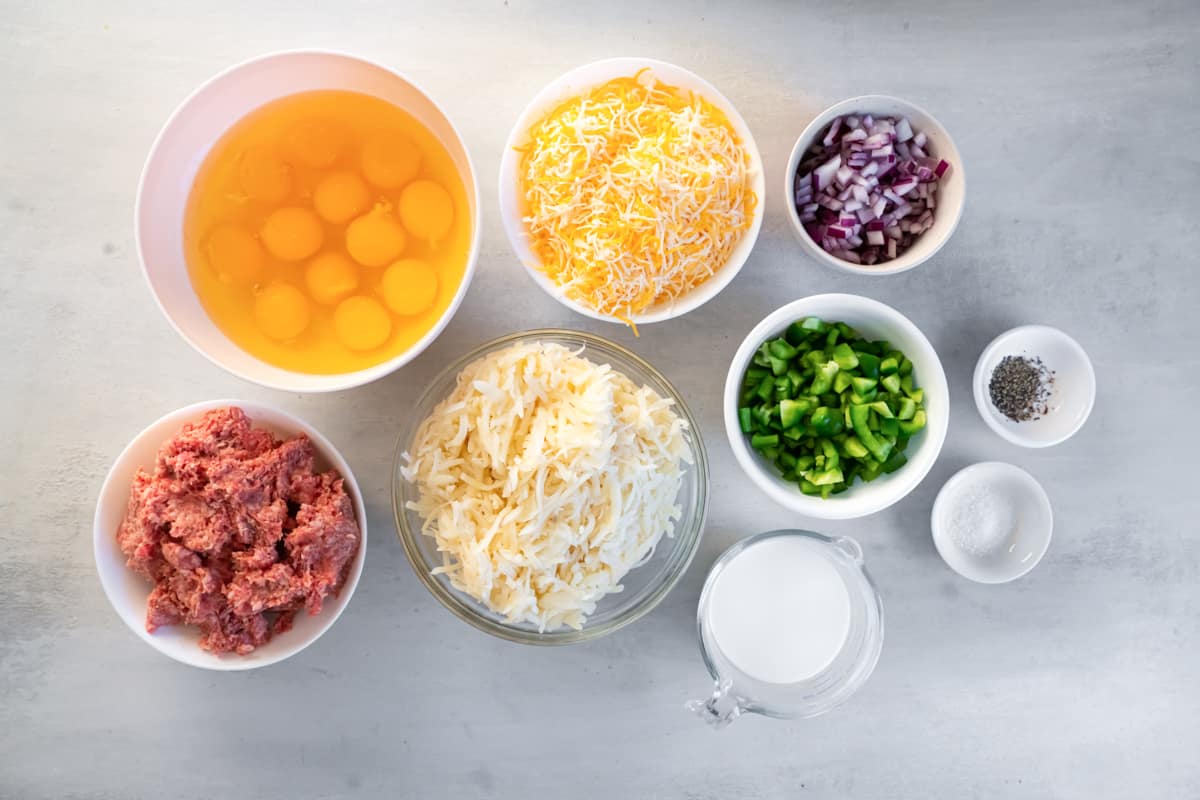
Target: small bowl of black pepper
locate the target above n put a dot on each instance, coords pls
(1034, 386)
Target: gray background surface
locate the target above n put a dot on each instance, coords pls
(1079, 127)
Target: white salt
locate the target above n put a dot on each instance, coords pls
(980, 522)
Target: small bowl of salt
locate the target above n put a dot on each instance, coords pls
(992, 522)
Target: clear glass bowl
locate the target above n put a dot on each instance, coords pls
(644, 587)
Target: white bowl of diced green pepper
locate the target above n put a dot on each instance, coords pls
(836, 406)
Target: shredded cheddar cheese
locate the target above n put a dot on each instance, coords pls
(545, 478)
(635, 193)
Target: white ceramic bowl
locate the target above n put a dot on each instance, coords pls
(580, 80)
(182, 146)
(1022, 496)
(128, 591)
(1071, 396)
(951, 189)
(873, 320)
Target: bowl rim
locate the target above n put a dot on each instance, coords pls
(844, 506)
(904, 262)
(980, 380)
(349, 380)
(544, 100)
(1037, 492)
(464, 607)
(101, 534)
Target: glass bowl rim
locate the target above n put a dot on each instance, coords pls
(688, 538)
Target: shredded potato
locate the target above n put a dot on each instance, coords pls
(635, 193)
(544, 478)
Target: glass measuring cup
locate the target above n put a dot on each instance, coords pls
(736, 692)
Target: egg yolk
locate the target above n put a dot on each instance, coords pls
(390, 160)
(361, 323)
(316, 142)
(235, 254)
(409, 286)
(376, 238)
(330, 277)
(292, 234)
(281, 311)
(340, 197)
(263, 175)
(426, 210)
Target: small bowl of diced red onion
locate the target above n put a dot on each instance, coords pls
(874, 186)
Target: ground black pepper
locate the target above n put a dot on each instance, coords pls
(1020, 387)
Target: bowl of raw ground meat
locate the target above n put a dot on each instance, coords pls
(229, 535)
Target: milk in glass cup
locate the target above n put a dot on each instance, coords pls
(790, 626)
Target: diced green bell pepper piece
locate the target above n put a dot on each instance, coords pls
(863, 385)
(826, 421)
(889, 365)
(917, 395)
(878, 447)
(889, 426)
(842, 381)
(844, 356)
(760, 441)
(781, 349)
(813, 358)
(807, 487)
(868, 363)
(813, 324)
(825, 477)
(745, 422)
(795, 379)
(829, 450)
(765, 387)
(891, 383)
(779, 366)
(894, 462)
(881, 408)
(906, 383)
(908, 408)
(755, 373)
(910, 426)
(832, 337)
(823, 380)
(854, 448)
(787, 461)
(791, 412)
(795, 334)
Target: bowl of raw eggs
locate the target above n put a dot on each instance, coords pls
(309, 221)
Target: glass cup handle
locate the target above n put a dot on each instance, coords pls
(721, 708)
(850, 548)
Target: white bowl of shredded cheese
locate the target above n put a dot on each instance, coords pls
(671, 216)
(551, 488)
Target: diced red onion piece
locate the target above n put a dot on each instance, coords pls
(823, 175)
(831, 135)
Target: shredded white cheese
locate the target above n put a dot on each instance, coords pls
(544, 479)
